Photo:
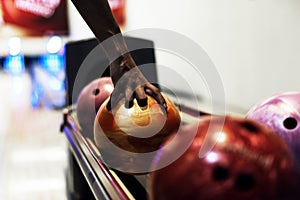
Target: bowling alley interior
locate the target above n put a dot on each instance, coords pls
(137, 99)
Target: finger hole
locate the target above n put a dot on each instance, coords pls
(128, 103)
(129, 99)
(142, 102)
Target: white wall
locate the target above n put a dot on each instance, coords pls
(254, 44)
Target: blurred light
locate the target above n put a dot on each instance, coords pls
(14, 64)
(54, 44)
(14, 46)
(220, 137)
(109, 88)
(212, 157)
(36, 94)
(48, 89)
(53, 63)
(56, 84)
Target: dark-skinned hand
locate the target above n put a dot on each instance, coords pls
(128, 80)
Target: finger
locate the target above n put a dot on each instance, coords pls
(114, 99)
(141, 97)
(156, 94)
(129, 96)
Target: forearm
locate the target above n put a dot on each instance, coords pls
(120, 66)
(98, 16)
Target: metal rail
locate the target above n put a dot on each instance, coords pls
(103, 183)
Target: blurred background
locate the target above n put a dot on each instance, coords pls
(254, 45)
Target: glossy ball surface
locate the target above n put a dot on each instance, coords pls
(89, 101)
(247, 161)
(281, 113)
(133, 130)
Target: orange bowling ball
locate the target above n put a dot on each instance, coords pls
(134, 130)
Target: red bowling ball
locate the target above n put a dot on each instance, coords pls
(89, 101)
(281, 113)
(248, 161)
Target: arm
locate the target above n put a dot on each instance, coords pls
(131, 82)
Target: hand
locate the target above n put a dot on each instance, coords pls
(131, 84)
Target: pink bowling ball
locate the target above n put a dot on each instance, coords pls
(89, 101)
(281, 113)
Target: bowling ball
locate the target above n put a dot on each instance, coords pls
(134, 130)
(247, 161)
(281, 113)
(89, 101)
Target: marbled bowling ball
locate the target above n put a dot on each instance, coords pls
(247, 161)
(281, 113)
(89, 101)
(123, 135)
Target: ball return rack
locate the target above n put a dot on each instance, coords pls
(88, 177)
